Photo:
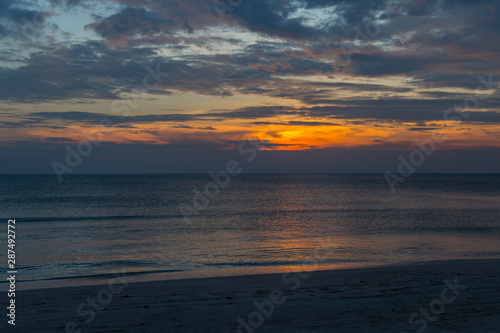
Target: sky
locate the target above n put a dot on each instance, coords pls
(128, 86)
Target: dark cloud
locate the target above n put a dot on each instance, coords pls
(91, 118)
(311, 123)
(96, 70)
(422, 129)
(131, 21)
(267, 17)
(421, 8)
(59, 140)
(356, 87)
(443, 79)
(277, 17)
(382, 64)
(10, 11)
(95, 118)
(296, 123)
(395, 112)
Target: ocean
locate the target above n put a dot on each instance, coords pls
(90, 227)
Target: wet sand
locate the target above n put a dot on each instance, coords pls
(431, 298)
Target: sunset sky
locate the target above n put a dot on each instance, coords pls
(176, 86)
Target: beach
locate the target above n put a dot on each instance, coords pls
(458, 297)
(248, 166)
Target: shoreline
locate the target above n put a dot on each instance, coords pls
(146, 276)
(379, 299)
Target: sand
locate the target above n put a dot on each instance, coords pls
(354, 300)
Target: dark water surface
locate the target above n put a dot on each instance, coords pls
(94, 225)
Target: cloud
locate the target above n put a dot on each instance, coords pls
(131, 21)
(386, 113)
(259, 51)
(443, 79)
(399, 110)
(255, 112)
(91, 69)
(311, 123)
(358, 87)
(382, 64)
(15, 13)
(423, 129)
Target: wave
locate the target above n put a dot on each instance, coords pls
(102, 275)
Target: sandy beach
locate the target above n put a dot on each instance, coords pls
(250, 166)
(427, 298)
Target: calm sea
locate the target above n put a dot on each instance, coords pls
(92, 226)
